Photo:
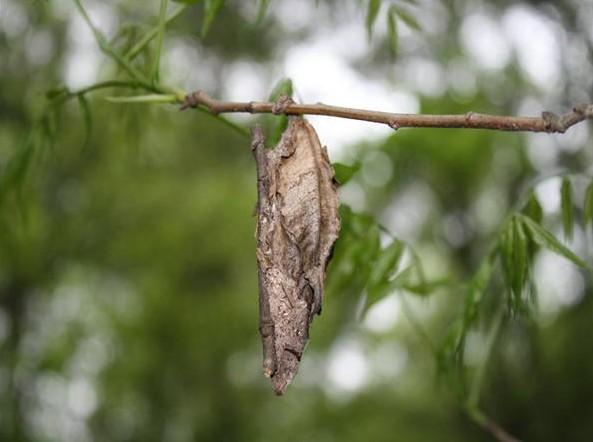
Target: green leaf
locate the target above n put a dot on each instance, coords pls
(566, 207)
(533, 208)
(519, 269)
(383, 269)
(506, 248)
(107, 49)
(211, 10)
(283, 87)
(544, 238)
(392, 29)
(423, 288)
(87, 118)
(372, 11)
(261, 11)
(344, 172)
(355, 253)
(151, 98)
(588, 206)
(408, 19)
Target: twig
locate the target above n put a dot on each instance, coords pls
(491, 426)
(476, 387)
(156, 62)
(547, 122)
(139, 47)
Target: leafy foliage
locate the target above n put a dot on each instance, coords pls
(394, 13)
(130, 217)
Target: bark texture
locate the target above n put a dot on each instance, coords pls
(298, 223)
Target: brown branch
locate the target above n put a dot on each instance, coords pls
(490, 425)
(547, 122)
(498, 432)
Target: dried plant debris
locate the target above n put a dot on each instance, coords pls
(298, 223)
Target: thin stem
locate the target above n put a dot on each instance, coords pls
(108, 50)
(150, 35)
(108, 84)
(159, 42)
(240, 130)
(142, 99)
(547, 122)
(488, 424)
(478, 381)
(416, 325)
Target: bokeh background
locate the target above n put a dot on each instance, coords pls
(128, 290)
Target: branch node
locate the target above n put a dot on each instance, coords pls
(394, 124)
(191, 100)
(552, 122)
(469, 115)
(282, 104)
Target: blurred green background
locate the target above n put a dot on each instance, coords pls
(128, 290)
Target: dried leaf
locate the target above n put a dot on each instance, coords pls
(298, 224)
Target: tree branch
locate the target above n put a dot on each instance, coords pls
(547, 122)
(490, 425)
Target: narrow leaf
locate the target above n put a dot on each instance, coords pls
(409, 19)
(262, 10)
(566, 206)
(507, 251)
(588, 206)
(519, 268)
(544, 238)
(283, 87)
(372, 11)
(383, 269)
(533, 208)
(211, 10)
(345, 172)
(392, 29)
